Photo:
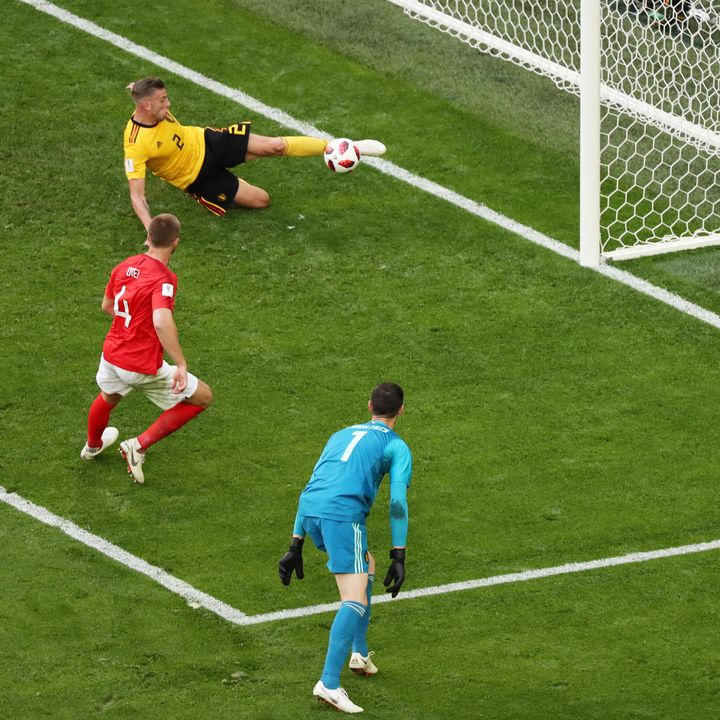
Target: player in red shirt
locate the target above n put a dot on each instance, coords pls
(140, 297)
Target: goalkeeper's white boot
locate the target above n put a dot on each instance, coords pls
(338, 698)
(109, 436)
(362, 665)
(369, 148)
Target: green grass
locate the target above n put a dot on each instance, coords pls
(554, 415)
(566, 648)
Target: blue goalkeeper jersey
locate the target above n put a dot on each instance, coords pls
(348, 474)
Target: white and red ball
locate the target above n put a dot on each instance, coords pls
(341, 155)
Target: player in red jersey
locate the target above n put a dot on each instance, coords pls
(140, 297)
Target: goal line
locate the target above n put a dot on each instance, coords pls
(198, 599)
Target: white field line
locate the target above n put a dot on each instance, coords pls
(523, 576)
(196, 598)
(384, 166)
(190, 594)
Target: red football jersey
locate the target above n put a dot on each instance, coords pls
(138, 286)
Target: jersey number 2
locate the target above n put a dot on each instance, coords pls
(120, 313)
(358, 435)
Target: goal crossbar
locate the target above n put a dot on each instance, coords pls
(702, 137)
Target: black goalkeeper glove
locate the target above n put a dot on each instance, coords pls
(292, 560)
(396, 571)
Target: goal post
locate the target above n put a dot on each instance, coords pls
(646, 74)
(590, 240)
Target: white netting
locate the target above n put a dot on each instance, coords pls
(660, 128)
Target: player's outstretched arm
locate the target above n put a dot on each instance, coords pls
(292, 560)
(138, 201)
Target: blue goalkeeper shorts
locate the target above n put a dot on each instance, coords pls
(345, 542)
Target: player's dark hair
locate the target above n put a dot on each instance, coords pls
(145, 87)
(163, 230)
(386, 400)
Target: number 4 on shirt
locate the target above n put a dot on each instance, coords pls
(120, 313)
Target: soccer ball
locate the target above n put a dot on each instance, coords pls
(341, 155)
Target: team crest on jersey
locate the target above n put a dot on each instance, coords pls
(167, 290)
(159, 142)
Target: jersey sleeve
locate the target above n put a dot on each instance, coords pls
(135, 162)
(400, 474)
(400, 461)
(298, 528)
(164, 294)
(398, 513)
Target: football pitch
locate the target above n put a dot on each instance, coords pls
(564, 510)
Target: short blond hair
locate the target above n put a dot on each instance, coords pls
(145, 87)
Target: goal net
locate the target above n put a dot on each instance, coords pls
(659, 90)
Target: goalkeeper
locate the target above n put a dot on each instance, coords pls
(332, 510)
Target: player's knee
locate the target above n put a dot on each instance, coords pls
(277, 146)
(263, 146)
(262, 199)
(207, 397)
(273, 147)
(252, 197)
(202, 396)
(111, 398)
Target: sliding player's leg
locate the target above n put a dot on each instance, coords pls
(251, 196)
(291, 146)
(302, 146)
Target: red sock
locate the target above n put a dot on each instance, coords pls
(170, 421)
(98, 418)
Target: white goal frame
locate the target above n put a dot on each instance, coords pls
(593, 93)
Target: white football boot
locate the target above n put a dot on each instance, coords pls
(337, 698)
(369, 148)
(109, 436)
(130, 450)
(362, 665)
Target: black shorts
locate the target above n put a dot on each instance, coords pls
(215, 186)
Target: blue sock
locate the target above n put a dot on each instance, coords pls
(360, 640)
(341, 636)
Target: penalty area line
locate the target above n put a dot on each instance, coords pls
(384, 166)
(196, 598)
(524, 576)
